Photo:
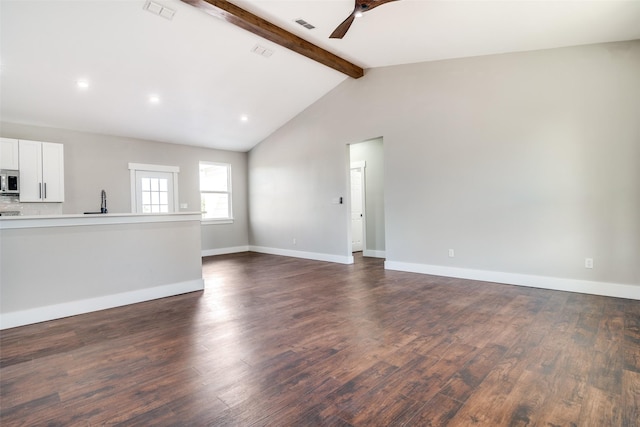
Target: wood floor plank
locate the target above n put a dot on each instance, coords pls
(609, 354)
(283, 341)
(22, 383)
(428, 378)
(522, 405)
(631, 402)
(438, 412)
(471, 375)
(350, 401)
(632, 340)
(563, 404)
(487, 406)
(600, 408)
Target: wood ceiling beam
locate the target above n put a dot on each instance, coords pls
(244, 19)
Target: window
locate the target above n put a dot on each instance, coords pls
(153, 188)
(215, 191)
(155, 194)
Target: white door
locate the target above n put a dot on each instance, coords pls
(357, 209)
(154, 192)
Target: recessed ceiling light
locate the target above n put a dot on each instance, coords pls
(82, 84)
(244, 118)
(154, 99)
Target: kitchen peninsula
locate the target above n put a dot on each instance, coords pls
(59, 266)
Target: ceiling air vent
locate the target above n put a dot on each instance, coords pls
(304, 24)
(159, 9)
(263, 51)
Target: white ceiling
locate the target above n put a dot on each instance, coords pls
(206, 76)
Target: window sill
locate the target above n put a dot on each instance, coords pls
(206, 221)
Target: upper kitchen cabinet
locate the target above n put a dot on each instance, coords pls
(41, 171)
(9, 153)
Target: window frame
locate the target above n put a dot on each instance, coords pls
(229, 193)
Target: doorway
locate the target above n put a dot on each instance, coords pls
(366, 189)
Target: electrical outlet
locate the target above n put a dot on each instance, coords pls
(294, 241)
(451, 253)
(588, 263)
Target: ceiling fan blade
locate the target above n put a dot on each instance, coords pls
(361, 7)
(342, 29)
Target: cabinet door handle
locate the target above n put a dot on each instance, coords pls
(40, 191)
(45, 190)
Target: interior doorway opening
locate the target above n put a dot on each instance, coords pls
(366, 185)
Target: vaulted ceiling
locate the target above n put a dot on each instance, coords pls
(220, 86)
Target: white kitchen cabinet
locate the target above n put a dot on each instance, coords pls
(41, 171)
(9, 154)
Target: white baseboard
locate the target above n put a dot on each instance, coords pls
(555, 283)
(224, 251)
(301, 254)
(374, 254)
(72, 308)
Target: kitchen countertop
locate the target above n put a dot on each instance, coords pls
(72, 220)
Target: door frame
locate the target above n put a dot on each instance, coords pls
(362, 165)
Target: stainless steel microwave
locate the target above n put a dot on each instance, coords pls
(9, 182)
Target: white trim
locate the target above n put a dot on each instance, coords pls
(617, 290)
(44, 221)
(374, 254)
(216, 221)
(301, 254)
(176, 201)
(57, 311)
(224, 251)
(360, 164)
(153, 168)
(132, 179)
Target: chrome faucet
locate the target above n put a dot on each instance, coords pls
(103, 203)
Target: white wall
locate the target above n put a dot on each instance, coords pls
(372, 153)
(94, 162)
(523, 163)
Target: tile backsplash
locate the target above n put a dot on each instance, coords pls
(12, 204)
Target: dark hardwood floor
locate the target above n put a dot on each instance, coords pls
(287, 342)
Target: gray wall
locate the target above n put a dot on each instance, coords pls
(372, 153)
(524, 163)
(94, 162)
